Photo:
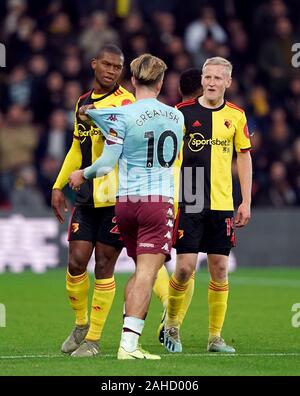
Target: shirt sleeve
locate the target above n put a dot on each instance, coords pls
(72, 160)
(242, 137)
(111, 121)
(106, 162)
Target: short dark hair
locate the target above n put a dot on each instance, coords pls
(190, 81)
(112, 49)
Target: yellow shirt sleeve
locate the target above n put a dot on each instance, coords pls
(72, 161)
(242, 138)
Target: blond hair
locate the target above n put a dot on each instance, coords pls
(148, 69)
(218, 60)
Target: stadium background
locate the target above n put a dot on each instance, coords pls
(48, 48)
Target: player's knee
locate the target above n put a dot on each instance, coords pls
(222, 273)
(183, 272)
(219, 271)
(104, 267)
(106, 257)
(76, 265)
(144, 284)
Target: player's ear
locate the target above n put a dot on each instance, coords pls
(159, 85)
(133, 82)
(228, 82)
(94, 63)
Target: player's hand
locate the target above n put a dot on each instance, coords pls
(243, 215)
(82, 112)
(58, 202)
(76, 178)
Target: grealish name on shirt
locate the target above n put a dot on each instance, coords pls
(149, 114)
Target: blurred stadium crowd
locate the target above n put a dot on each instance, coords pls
(49, 45)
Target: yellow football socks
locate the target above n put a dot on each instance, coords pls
(176, 296)
(161, 286)
(217, 304)
(77, 289)
(187, 299)
(104, 292)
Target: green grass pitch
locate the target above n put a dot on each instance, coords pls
(258, 324)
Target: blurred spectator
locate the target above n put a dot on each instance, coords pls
(204, 27)
(258, 98)
(164, 26)
(170, 88)
(275, 56)
(26, 196)
(294, 168)
(97, 33)
(60, 34)
(73, 90)
(55, 141)
(48, 171)
(259, 154)
(18, 138)
(71, 67)
(19, 87)
(15, 9)
(280, 192)
(266, 15)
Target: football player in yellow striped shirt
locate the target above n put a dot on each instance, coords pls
(92, 226)
(214, 128)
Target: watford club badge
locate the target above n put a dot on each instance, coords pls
(228, 123)
(75, 227)
(180, 234)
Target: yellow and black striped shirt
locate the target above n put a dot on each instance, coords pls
(87, 146)
(211, 135)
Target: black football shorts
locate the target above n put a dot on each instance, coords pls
(210, 231)
(95, 224)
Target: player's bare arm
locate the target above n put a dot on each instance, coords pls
(244, 164)
(59, 204)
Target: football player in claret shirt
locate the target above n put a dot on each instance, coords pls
(92, 225)
(214, 128)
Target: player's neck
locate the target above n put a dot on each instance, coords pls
(210, 104)
(145, 93)
(194, 95)
(100, 89)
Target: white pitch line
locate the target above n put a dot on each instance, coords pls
(231, 355)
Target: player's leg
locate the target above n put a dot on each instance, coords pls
(104, 289)
(147, 234)
(220, 243)
(136, 306)
(106, 255)
(187, 241)
(161, 286)
(179, 281)
(161, 289)
(187, 299)
(77, 285)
